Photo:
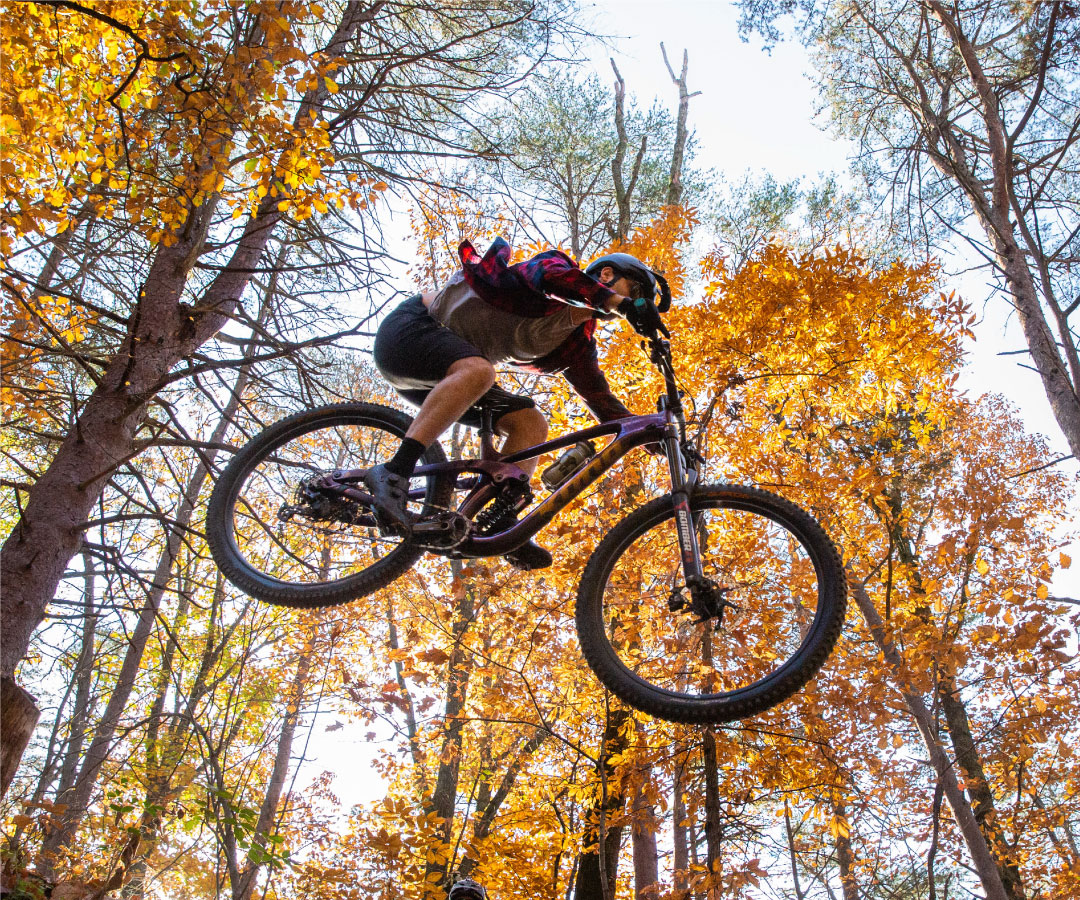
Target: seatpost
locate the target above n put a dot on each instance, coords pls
(487, 434)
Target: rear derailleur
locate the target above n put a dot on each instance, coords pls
(317, 505)
(317, 502)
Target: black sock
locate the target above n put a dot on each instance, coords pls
(406, 458)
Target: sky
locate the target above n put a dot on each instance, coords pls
(757, 112)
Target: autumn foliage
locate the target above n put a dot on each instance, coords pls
(935, 755)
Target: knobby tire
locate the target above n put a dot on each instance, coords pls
(243, 567)
(652, 659)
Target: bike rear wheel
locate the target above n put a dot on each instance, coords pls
(337, 555)
(772, 562)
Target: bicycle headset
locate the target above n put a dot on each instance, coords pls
(631, 267)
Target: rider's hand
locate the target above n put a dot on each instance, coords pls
(644, 316)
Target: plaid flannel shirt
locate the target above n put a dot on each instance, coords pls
(524, 289)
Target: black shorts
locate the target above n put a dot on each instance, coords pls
(414, 352)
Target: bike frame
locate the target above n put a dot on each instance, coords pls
(666, 427)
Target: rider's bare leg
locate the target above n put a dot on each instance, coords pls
(466, 381)
(523, 428)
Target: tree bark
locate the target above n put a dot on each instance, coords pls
(18, 717)
(793, 854)
(162, 331)
(77, 794)
(713, 834)
(984, 863)
(598, 861)
(845, 857)
(488, 809)
(680, 832)
(643, 839)
(459, 672)
(624, 188)
(978, 785)
(244, 889)
(675, 185)
(993, 214)
(80, 713)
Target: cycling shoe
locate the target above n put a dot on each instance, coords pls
(391, 493)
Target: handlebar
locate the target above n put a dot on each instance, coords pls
(644, 316)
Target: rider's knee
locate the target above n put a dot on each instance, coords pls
(529, 423)
(479, 373)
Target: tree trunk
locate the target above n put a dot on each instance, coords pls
(994, 214)
(598, 861)
(162, 331)
(977, 785)
(82, 676)
(793, 854)
(845, 856)
(643, 840)
(956, 719)
(713, 834)
(624, 187)
(18, 717)
(77, 795)
(675, 186)
(244, 889)
(487, 807)
(681, 832)
(983, 861)
(459, 671)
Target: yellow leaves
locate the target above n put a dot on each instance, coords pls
(62, 68)
(839, 828)
(1042, 592)
(331, 85)
(982, 567)
(660, 244)
(434, 656)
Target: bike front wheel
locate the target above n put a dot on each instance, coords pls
(783, 597)
(289, 548)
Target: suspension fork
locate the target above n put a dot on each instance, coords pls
(681, 486)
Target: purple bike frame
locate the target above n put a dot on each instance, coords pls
(631, 432)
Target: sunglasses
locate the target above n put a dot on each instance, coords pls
(637, 289)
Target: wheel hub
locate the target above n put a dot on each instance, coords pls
(707, 601)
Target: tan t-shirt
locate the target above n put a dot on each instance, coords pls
(500, 336)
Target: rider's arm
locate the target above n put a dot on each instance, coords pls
(564, 279)
(585, 377)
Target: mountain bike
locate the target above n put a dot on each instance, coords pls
(710, 603)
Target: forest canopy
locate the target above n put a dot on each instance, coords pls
(197, 223)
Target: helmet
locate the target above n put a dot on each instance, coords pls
(467, 889)
(633, 268)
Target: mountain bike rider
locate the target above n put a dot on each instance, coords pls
(439, 349)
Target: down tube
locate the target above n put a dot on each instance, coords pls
(640, 430)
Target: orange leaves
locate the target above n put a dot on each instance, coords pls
(142, 119)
